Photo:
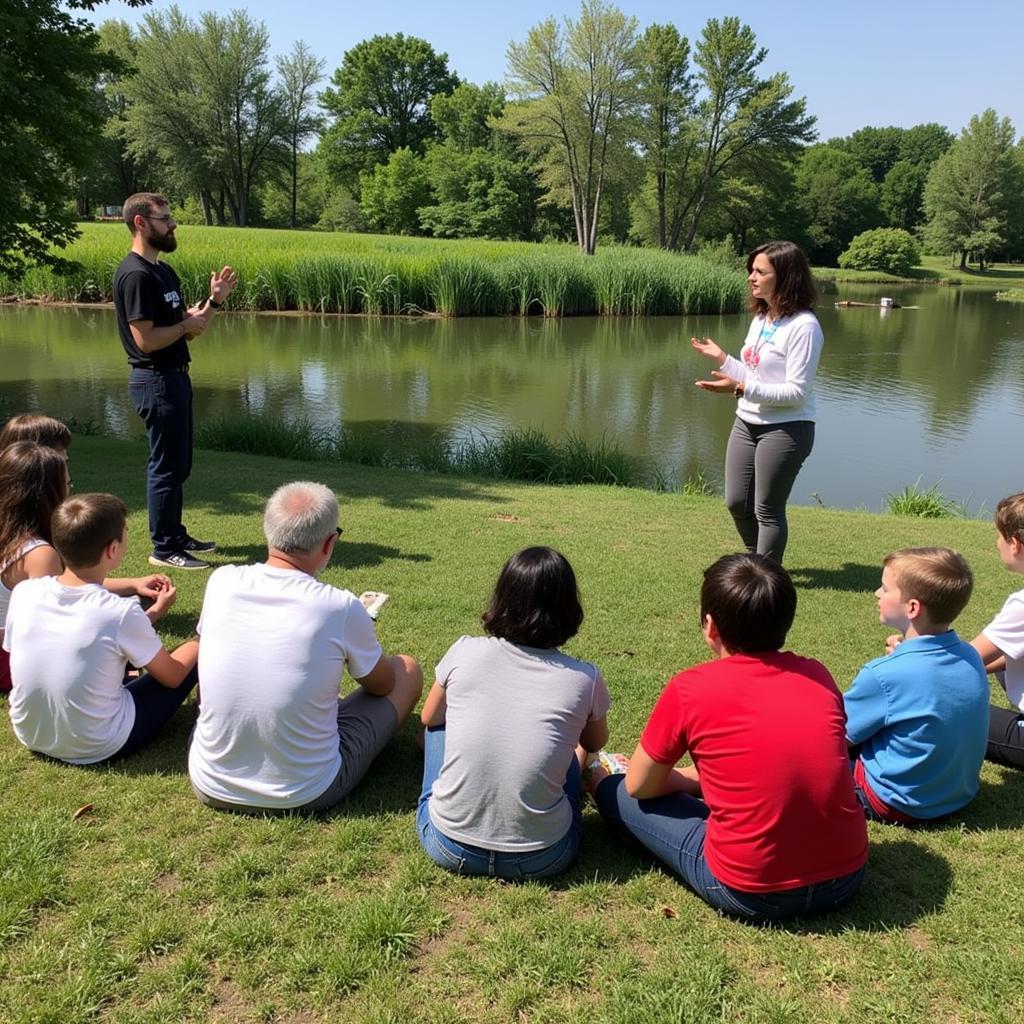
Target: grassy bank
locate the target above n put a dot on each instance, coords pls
(933, 270)
(375, 274)
(150, 908)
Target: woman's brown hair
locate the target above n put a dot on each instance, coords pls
(38, 427)
(794, 284)
(33, 482)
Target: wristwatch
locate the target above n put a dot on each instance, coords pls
(211, 301)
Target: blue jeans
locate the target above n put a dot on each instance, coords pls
(673, 827)
(163, 398)
(476, 860)
(154, 706)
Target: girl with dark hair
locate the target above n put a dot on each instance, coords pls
(765, 825)
(33, 482)
(508, 722)
(773, 381)
(38, 427)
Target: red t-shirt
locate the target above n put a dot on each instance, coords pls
(768, 736)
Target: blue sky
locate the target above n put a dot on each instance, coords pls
(899, 62)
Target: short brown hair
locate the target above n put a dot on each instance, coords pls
(38, 427)
(752, 601)
(1010, 517)
(794, 283)
(939, 578)
(84, 525)
(140, 205)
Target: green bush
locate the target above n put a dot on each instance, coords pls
(892, 250)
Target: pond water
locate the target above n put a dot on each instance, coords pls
(934, 394)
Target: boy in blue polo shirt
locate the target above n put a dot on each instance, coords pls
(918, 716)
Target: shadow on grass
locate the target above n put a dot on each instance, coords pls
(997, 805)
(852, 576)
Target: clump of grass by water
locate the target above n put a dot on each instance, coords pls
(525, 454)
(1011, 295)
(923, 503)
(386, 275)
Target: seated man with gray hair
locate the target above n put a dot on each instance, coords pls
(272, 734)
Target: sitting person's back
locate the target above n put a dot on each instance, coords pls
(272, 734)
(919, 715)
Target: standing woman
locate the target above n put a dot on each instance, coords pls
(773, 381)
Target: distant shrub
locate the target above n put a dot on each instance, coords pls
(892, 250)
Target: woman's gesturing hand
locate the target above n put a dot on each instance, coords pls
(723, 384)
(708, 347)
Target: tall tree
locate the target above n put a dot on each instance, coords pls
(739, 114)
(50, 123)
(968, 190)
(667, 94)
(576, 87)
(300, 72)
(380, 102)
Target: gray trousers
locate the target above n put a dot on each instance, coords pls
(761, 464)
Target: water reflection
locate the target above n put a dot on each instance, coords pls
(933, 392)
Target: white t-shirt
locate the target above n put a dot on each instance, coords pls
(777, 365)
(274, 645)
(69, 647)
(1006, 631)
(514, 716)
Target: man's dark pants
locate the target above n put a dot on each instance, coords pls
(163, 398)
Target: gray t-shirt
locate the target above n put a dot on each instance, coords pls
(514, 718)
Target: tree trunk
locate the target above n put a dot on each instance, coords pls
(204, 198)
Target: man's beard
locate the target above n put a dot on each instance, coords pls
(162, 243)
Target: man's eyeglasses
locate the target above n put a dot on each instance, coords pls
(339, 530)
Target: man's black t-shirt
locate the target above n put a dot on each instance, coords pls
(149, 291)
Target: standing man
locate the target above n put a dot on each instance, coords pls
(155, 329)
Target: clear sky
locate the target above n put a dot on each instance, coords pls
(898, 62)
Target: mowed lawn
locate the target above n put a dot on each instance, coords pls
(122, 899)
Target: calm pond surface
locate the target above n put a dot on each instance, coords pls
(935, 393)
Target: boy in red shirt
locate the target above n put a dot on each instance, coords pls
(766, 825)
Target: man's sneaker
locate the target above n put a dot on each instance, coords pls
(198, 547)
(178, 560)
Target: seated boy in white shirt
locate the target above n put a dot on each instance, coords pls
(70, 640)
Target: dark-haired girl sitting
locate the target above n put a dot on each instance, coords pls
(501, 776)
(766, 825)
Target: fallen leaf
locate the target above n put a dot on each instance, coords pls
(84, 809)
(668, 912)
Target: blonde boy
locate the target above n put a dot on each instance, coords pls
(1001, 642)
(70, 640)
(918, 716)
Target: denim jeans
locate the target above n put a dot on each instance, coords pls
(476, 860)
(163, 398)
(154, 706)
(673, 828)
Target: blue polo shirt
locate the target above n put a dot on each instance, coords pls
(921, 714)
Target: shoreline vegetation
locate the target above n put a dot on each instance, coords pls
(285, 271)
(124, 899)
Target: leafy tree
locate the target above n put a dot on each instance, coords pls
(740, 118)
(392, 193)
(891, 250)
(380, 101)
(839, 200)
(576, 88)
(481, 185)
(901, 194)
(300, 72)
(667, 94)
(875, 149)
(203, 102)
(50, 123)
(966, 198)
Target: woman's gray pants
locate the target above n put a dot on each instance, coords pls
(761, 464)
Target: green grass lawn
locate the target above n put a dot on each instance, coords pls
(149, 907)
(933, 270)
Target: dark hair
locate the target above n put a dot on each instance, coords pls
(794, 285)
(1009, 517)
(140, 205)
(38, 427)
(84, 525)
(752, 601)
(535, 601)
(33, 482)
(939, 578)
